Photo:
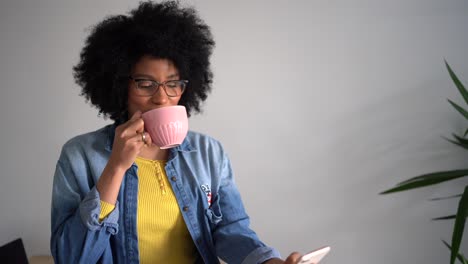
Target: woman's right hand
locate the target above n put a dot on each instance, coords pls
(128, 142)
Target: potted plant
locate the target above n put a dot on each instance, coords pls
(443, 176)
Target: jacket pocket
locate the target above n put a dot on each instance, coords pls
(214, 211)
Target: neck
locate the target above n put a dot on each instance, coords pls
(153, 152)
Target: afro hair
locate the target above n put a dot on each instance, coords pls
(161, 30)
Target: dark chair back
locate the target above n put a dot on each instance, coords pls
(13, 253)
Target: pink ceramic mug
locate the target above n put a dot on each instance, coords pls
(167, 126)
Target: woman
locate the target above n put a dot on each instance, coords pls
(117, 198)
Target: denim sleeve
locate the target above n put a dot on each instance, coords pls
(234, 241)
(77, 236)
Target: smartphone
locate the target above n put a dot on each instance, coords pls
(315, 256)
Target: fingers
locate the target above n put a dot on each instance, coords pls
(129, 140)
(133, 126)
(133, 131)
(148, 140)
(293, 258)
(136, 115)
(137, 124)
(143, 137)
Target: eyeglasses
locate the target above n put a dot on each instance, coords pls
(147, 87)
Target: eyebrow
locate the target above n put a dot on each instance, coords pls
(152, 78)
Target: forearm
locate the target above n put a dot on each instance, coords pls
(109, 183)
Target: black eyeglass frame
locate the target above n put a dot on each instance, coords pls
(155, 86)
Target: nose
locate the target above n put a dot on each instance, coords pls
(160, 97)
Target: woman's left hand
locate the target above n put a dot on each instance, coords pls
(293, 258)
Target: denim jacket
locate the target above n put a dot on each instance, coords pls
(202, 180)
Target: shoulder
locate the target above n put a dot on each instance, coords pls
(92, 141)
(203, 142)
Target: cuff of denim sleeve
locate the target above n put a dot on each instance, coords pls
(260, 255)
(106, 209)
(90, 209)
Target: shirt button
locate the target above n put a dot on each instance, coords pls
(185, 208)
(173, 178)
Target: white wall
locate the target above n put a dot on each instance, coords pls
(321, 105)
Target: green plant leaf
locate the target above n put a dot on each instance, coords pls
(426, 180)
(448, 217)
(460, 139)
(445, 198)
(466, 133)
(457, 236)
(459, 109)
(460, 256)
(456, 143)
(457, 82)
(444, 217)
(436, 174)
